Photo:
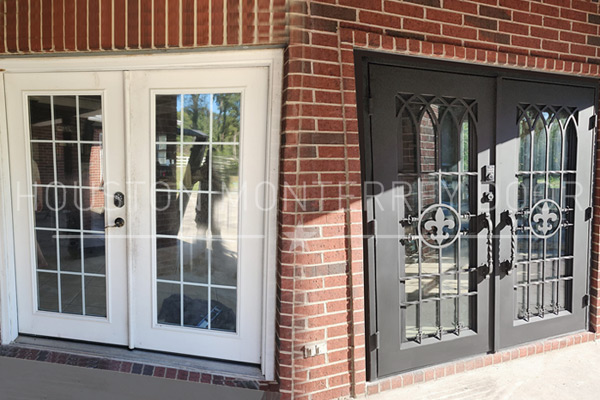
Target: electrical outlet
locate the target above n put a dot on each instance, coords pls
(321, 348)
(309, 351)
(315, 349)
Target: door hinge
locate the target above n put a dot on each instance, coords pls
(374, 341)
(371, 228)
(586, 300)
(593, 122)
(370, 105)
(588, 213)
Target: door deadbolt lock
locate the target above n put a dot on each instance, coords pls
(489, 174)
(119, 222)
(119, 199)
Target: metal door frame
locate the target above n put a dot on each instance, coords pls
(362, 58)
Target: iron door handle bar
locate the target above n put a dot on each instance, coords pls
(489, 239)
(511, 221)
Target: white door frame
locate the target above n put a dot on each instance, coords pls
(269, 58)
(113, 328)
(244, 343)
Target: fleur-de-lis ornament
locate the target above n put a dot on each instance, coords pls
(437, 225)
(544, 219)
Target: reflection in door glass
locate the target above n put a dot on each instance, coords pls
(68, 201)
(196, 202)
(539, 146)
(437, 173)
(546, 209)
(449, 144)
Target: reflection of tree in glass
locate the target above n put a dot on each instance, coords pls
(466, 144)
(226, 117)
(196, 112)
(555, 146)
(226, 128)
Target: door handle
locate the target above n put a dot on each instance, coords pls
(119, 222)
(511, 221)
(489, 239)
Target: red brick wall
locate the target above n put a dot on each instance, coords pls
(34, 26)
(321, 280)
(320, 271)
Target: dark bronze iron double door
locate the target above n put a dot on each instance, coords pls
(477, 209)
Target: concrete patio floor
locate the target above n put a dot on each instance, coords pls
(570, 373)
(34, 380)
(565, 374)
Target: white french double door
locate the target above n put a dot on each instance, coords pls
(138, 207)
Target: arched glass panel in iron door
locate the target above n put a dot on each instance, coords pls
(437, 170)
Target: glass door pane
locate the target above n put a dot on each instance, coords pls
(196, 209)
(68, 201)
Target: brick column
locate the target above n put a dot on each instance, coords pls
(320, 278)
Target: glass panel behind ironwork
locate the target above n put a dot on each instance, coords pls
(545, 210)
(437, 172)
(196, 208)
(68, 202)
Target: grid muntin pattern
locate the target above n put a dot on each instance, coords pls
(428, 106)
(62, 233)
(566, 120)
(181, 191)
